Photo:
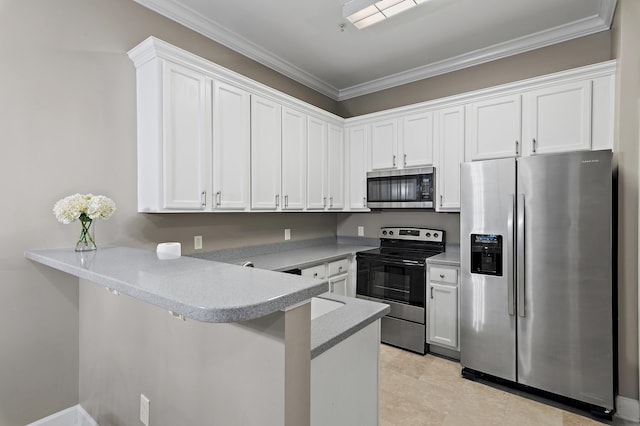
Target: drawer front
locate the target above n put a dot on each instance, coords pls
(315, 272)
(338, 267)
(445, 275)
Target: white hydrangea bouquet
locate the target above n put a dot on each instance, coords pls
(85, 208)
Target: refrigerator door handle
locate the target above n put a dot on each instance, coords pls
(511, 300)
(521, 255)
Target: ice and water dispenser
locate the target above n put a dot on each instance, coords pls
(486, 254)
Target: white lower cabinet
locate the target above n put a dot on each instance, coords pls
(442, 307)
(340, 274)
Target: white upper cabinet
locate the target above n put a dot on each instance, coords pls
(384, 142)
(316, 164)
(231, 147)
(417, 140)
(335, 167)
(450, 154)
(558, 118)
(494, 128)
(294, 159)
(210, 139)
(325, 165)
(357, 141)
(266, 142)
(186, 138)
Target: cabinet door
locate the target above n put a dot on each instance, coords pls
(266, 142)
(338, 285)
(443, 315)
(316, 164)
(335, 168)
(417, 140)
(357, 167)
(450, 148)
(231, 147)
(186, 138)
(558, 119)
(494, 128)
(384, 140)
(294, 159)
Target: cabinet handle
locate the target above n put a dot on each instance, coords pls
(364, 201)
(330, 202)
(218, 198)
(517, 148)
(315, 275)
(405, 160)
(286, 201)
(277, 200)
(203, 198)
(340, 269)
(442, 276)
(394, 161)
(324, 202)
(534, 145)
(440, 200)
(431, 292)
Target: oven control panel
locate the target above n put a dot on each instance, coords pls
(413, 234)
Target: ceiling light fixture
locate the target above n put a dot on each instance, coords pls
(363, 13)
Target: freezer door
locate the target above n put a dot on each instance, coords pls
(487, 312)
(565, 331)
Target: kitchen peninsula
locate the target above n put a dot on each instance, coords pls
(236, 348)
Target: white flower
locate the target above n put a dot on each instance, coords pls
(70, 208)
(101, 207)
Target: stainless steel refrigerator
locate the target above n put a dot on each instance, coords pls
(536, 259)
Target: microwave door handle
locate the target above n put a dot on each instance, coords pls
(520, 272)
(511, 301)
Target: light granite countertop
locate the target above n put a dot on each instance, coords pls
(335, 326)
(201, 290)
(450, 257)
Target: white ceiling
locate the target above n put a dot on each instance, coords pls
(303, 39)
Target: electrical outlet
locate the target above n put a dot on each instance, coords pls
(287, 234)
(360, 231)
(144, 410)
(197, 242)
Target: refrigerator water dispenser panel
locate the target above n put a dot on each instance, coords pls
(486, 254)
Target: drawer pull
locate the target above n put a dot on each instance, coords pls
(441, 275)
(315, 274)
(432, 292)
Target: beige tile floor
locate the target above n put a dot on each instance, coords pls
(428, 390)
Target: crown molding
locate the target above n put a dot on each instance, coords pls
(193, 20)
(220, 34)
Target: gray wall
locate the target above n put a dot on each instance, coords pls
(571, 54)
(449, 222)
(68, 124)
(626, 33)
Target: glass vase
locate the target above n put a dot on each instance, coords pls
(87, 241)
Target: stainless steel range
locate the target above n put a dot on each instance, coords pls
(396, 274)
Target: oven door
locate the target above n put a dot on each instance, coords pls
(399, 283)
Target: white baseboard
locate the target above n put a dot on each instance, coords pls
(73, 416)
(627, 408)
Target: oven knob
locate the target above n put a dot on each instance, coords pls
(428, 234)
(435, 234)
(384, 232)
(390, 232)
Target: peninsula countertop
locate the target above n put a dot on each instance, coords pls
(201, 290)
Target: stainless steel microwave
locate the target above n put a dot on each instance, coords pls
(406, 188)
